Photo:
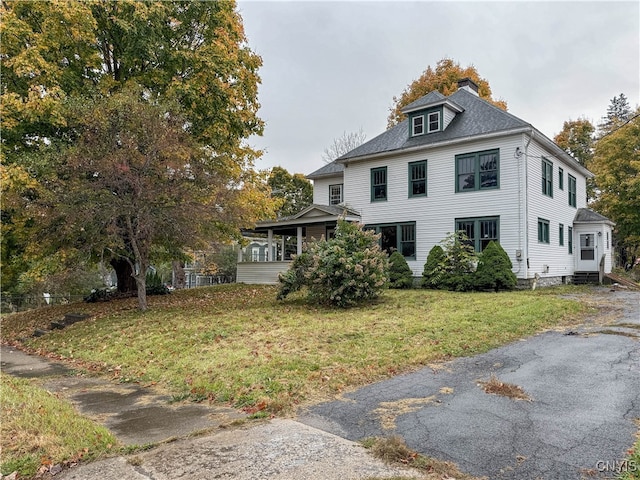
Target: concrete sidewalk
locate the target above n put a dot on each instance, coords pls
(225, 447)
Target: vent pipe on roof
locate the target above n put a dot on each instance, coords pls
(468, 85)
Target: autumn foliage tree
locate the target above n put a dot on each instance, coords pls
(293, 190)
(191, 55)
(443, 78)
(577, 139)
(616, 164)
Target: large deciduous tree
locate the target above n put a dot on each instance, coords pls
(294, 191)
(444, 78)
(191, 54)
(577, 139)
(616, 164)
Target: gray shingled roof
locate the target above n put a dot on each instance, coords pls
(329, 169)
(330, 209)
(428, 99)
(588, 215)
(479, 118)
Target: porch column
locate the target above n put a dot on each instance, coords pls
(299, 235)
(282, 249)
(240, 249)
(269, 245)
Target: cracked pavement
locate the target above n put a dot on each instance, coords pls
(584, 385)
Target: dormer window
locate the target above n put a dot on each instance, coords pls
(433, 122)
(426, 121)
(417, 125)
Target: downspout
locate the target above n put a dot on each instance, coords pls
(526, 202)
(518, 156)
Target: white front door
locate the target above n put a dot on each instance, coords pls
(588, 253)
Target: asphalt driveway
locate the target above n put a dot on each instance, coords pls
(584, 389)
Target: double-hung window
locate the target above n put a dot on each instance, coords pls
(547, 177)
(417, 125)
(561, 234)
(480, 231)
(418, 179)
(572, 190)
(378, 184)
(560, 178)
(570, 239)
(433, 122)
(335, 194)
(398, 236)
(478, 171)
(543, 230)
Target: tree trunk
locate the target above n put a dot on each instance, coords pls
(141, 282)
(124, 273)
(179, 277)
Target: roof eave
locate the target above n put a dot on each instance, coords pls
(452, 105)
(443, 143)
(311, 176)
(305, 221)
(551, 145)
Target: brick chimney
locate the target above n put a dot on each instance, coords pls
(469, 85)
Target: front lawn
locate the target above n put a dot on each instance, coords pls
(39, 431)
(236, 344)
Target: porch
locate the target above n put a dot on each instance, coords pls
(283, 238)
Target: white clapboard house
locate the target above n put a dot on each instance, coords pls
(456, 163)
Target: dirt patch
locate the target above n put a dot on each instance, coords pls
(388, 412)
(394, 450)
(496, 387)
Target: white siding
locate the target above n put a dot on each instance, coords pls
(260, 272)
(551, 260)
(448, 116)
(435, 214)
(316, 232)
(321, 189)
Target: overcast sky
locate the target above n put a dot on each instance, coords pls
(334, 67)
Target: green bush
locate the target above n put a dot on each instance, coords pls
(154, 284)
(452, 266)
(460, 262)
(346, 270)
(400, 275)
(434, 269)
(494, 269)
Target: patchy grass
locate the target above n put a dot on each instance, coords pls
(496, 387)
(394, 450)
(39, 431)
(236, 344)
(631, 465)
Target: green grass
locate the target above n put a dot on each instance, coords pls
(238, 345)
(631, 467)
(38, 430)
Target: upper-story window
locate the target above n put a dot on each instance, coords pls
(335, 194)
(478, 171)
(426, 121)
(418, 179)
(433, 122)
(547, 177)
(572, 190)
(378, 184)
(417, 125)
(560, 178)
